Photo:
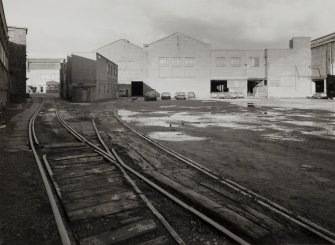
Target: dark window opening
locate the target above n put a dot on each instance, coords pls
(136, 88)
(219, 86)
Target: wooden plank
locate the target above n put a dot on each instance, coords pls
(99, 190)
(234, 219)
(122, 234)
(75, 156)
(162, 240)
(65, 145)
(247, 211)
(82, 174)
(88, 178)
(59, 175)
(77, 161)
(102, 210)
(96, 200)
(89, 183)
(78, 166)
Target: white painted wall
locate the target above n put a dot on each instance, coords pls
(289, 70)
(174, 78)
(129, 58)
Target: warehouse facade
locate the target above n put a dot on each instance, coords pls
(88, 77)
(181, 63)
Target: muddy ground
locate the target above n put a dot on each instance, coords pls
(281, 149)
(25, 213)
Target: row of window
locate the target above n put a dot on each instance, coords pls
(112, 70)
(49, 77)
(236, 61)
(190, 61)
(3, 56)
(177, 61)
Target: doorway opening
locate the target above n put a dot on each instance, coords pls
(136, 88)
(319, 86)
(219, 86)
(252, 85)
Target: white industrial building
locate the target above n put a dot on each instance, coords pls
(181, 63)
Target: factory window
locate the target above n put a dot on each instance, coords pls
(163, 62)
(176, 62)
(220, 61)
(235, 61)
(254, 61)
(189, 61)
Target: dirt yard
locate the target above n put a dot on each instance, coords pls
(26, 215)
(281, 149)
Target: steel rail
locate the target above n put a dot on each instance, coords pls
(110, 158)
(161, 218)
(65, 238)
(297, 219)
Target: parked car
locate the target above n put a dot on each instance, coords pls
(224, 95)
(319, 96)
(166, 96)
(151, 95)
(233, 95)
(180, 96)
(191, 95)
(240, 95)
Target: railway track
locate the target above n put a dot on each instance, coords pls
(301, 230)
(291, 216)
(218, 208)
(93, 201)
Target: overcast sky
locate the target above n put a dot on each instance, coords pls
(59, 27)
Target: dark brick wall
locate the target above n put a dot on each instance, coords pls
(4, 73)
(17, 63)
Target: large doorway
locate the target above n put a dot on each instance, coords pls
(319, 86)
(252, 84)
(219, 86)
(136, 88)
(331, 86)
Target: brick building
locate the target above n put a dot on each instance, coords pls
(181, 63)
(4, 54)
(88, 77)
(17, 63)
(323, 55)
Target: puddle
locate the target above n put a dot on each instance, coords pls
(281, 136)
(81, 104)
(126, 113)
(174, 136)
(235, 121)
(330, 134)
(160, 112)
